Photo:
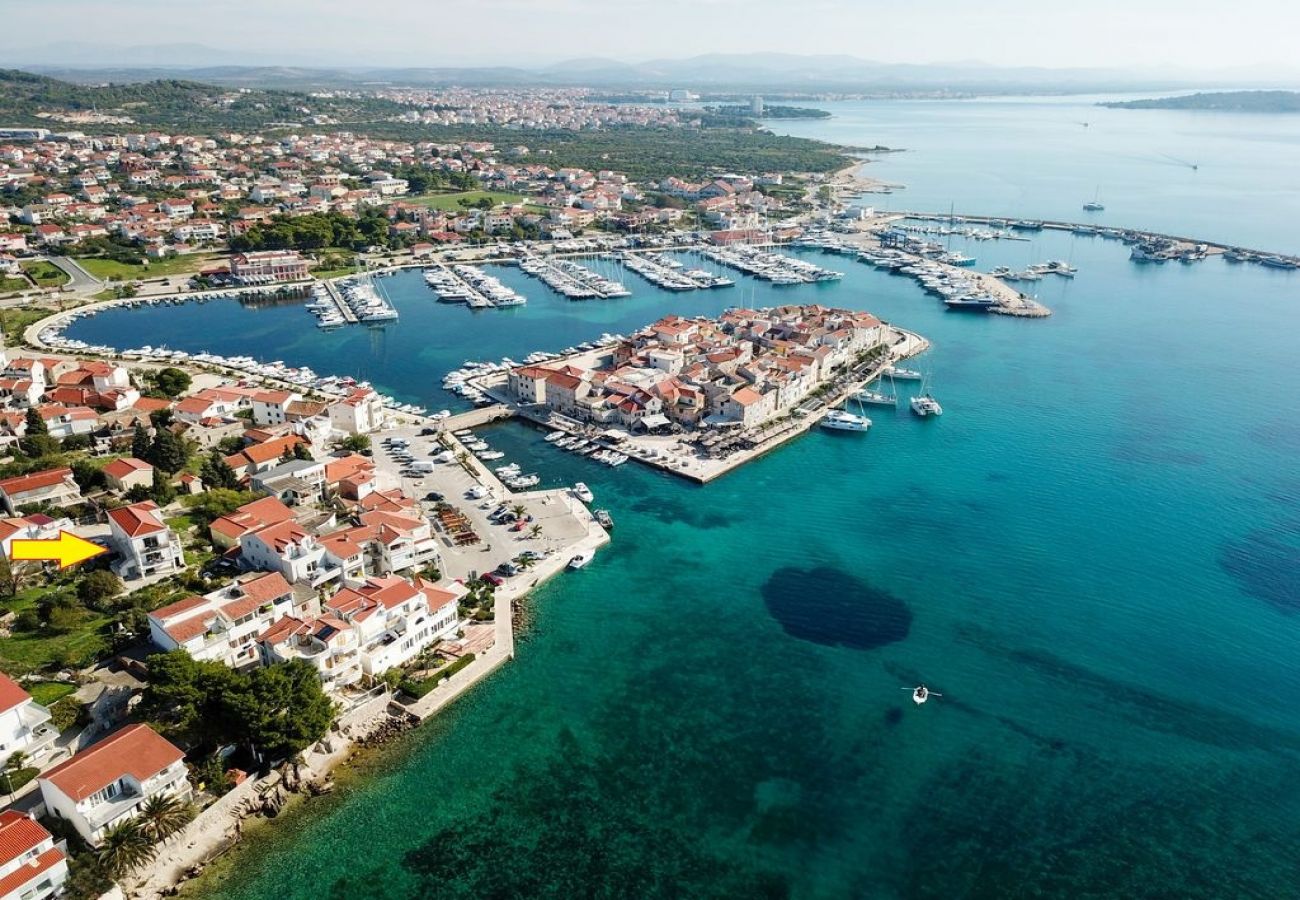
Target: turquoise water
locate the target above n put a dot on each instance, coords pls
(1032, 157)
(1094, 556)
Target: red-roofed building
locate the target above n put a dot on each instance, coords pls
(223, 625)
(360, 412)
(54, 486)
(396, 619)
(23, 722)
(108, 782)
(144, 543)
(227, 530)
(31, 866)
(128, 472)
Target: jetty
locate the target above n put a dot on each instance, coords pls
(343, 309)
(1181, 247)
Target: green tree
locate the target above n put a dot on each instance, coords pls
(140, 442)
(288, 710)
(13, 575)
(167, 452)
(124, 848)
(162, 491)
(86, 879)
(216, 472)
(218, 502)
(171, 382)
(356, 443)
(302, 451)
(187, 698)
(35, 424)
(87, 475)
(96, 588)
(162, 816)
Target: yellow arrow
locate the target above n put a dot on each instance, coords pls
(67, 549)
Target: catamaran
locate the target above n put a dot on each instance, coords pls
(840, 420)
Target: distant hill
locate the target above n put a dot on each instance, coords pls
(28, 99)
(768, 73)
(1222, 101)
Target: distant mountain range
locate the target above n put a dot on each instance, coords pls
(772, 72)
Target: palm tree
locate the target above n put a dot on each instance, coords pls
(124, 848)
(518, 509)
(162, 816)
(535, 531)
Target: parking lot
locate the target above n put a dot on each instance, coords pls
(552, 522)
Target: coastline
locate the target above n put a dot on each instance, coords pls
(218, 830)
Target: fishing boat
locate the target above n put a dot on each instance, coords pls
(583, 493)
(840, 420)
(581, 559)
(605, 519)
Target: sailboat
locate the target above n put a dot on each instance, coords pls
(924, 404)
(1095, 204)
(879, 397)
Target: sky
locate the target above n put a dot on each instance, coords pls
(1194, 34)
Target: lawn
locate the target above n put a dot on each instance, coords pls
(327, 274)
(8, 285)
(451, 202)
(15, 319)
(45, 274)
(181, 264)
(47, 693)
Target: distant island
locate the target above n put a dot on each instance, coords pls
(1222, 101)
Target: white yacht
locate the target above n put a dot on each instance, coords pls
(581, 559)
(925, 405)
(902, 374)
(554, 436)
(839, 420)
(583, 493)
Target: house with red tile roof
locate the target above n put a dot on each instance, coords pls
(54, 486)
(24, 723)
(360, 412)
(144, 543)
(265, 455)
(223, 624)
(109, 781)
(395, 619)
(31, 866)
(226, 531)
(128, 472)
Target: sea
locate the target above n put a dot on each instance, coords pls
(1092, 559)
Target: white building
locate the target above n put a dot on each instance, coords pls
(271, 407)
(360, 412)
(144, 543)
(24, 723)
(287, 548)
(31, 866)
(396, 619)
(224, 624)
(108, 782)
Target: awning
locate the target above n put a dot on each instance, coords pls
(717, 421)
(657, 420)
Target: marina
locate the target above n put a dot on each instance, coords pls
(569, 278)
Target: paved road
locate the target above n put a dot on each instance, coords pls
(82, 282)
